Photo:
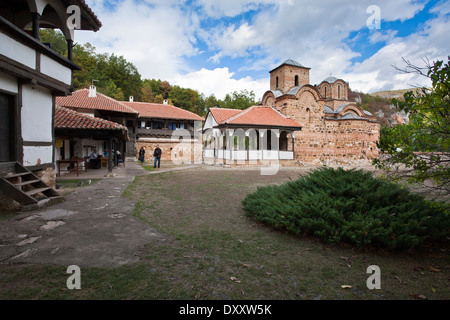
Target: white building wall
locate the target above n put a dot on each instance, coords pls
(17, 51)
(37, 107)
(55, 70)
(33, 156)
(8, 83)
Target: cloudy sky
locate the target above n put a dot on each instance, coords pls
(221, 46)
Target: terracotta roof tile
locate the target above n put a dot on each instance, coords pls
(81, 99)
(222, 114)
(162, 111)
(69, 119)
(257, 116)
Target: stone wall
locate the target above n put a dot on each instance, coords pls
(286, 77)
(171, 150)
(47, 175)
(324, 141)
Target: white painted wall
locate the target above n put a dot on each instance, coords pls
(8, 83)
(36, 114)
(210, 122)
(37, 155)
(55, 70)
(17, 51)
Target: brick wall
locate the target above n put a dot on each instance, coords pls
(323, 141)
(171, 150)
(286, 78)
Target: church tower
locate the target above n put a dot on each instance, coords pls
(288, 75)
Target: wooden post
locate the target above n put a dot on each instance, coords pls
(70, 49)
(36, 22)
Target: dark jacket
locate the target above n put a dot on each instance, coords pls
(157, 153)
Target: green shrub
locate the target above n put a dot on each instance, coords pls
(350, 206)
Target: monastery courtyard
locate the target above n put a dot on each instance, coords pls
(179, 232)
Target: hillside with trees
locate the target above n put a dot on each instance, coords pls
(118, 78)
(380, 104)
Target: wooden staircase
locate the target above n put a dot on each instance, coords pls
(23, 186)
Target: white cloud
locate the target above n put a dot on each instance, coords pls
(219, 82)
(430, 43)
(159, 37)
(154, 38)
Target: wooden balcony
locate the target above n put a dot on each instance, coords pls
(164, 132)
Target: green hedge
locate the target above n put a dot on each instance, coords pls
(351, 206)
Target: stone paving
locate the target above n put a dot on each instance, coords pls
(94, 226)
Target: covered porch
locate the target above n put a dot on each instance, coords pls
(248, 145)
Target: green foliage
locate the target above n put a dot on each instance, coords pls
(55, 39)
(428, 130)
(118, 78)
(238, 100)
(350, 206)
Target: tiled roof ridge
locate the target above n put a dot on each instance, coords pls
(168, 105)
(238, 111)
(113, 100)
(241, 113)
(74, 96)
(91, 13)
(114, 125)
(220, 108)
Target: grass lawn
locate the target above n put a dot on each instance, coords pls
(211, 250)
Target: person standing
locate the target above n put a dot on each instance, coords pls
(142, 155)
(157, 154)
(94, 160)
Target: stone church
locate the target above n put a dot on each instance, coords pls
(334, 129)
(296, 124)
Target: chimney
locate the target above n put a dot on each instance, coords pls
(92, 91)
(131, 98)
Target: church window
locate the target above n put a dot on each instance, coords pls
(296, 81)
(325, 92)
(276, 83)
(339, 91)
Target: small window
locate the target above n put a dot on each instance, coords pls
(296, 81)
(339, 91)
(277, 82)
(325, 92)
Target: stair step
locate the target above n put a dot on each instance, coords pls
(24, 183)
(34, 191)
(15, 175)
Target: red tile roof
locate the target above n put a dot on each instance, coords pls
(81, 99)
(69, 119)
(162, 111)
(256, 116)
(222, 114)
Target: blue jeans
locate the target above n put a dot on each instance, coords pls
(157, 159)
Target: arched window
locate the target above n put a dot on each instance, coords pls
(308, 115)
(296, 81)
(325, 92)
(339, 91)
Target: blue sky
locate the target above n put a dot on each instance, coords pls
(218, 47)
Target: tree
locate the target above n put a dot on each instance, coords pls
(238, 100)
(56, 40)
(420, 149)
(185, 98)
